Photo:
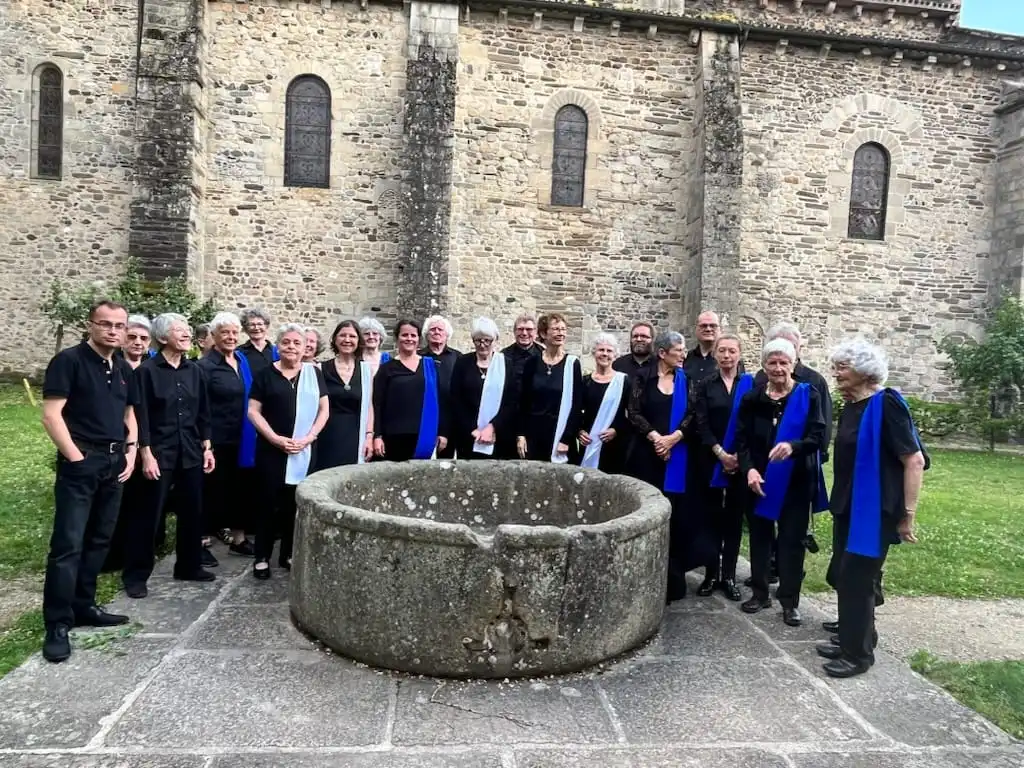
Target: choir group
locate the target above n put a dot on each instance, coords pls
(224, 440)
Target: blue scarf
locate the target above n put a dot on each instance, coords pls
(675, 472)
(151, 353)
(427, 439)
(866, 503)
(384, 357)
(274, 357)
(744, 385)
(247, 448)
(779, 473)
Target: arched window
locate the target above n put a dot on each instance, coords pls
(48, 130)
(307, 144)
(569, 164)
(868, 192)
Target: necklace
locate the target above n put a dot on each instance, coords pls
(343, 371)
(551, 365)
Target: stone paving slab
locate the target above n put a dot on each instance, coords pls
(219, 678)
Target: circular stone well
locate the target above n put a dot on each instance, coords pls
(479, 568)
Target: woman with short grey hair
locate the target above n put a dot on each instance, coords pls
(603, 428)
(137, 337)
(374, 335)
(258, 350)
(438, 332)
(879, 462)
(780, 434)
(314, 345)
(657, 410)
(482, 395)
(174, 442)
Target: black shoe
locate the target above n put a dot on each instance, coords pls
(97, 617)
(706, 588)
(207, 560)
(843, 667)
(56, 645)
(828, 651)
(261, 573)
(136, 590)
(243, 549)
(830, 626)
(755, 604)
(730, 590)
(197, 575)
(792, 617)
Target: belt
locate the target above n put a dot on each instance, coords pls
(110, 448)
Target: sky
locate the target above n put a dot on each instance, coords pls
(995, 15)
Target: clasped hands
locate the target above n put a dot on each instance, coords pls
(663, 444)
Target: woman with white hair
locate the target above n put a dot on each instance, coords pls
(780, 434)
(288, 406)
(228, 494)
(603, 428)
(879, 463)
(174, 441)
(481, 394)
(136, 341)
(258, 349)
(438, 332)
(373, 338)
(657, 410)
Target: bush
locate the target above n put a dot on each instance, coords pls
(67, 307)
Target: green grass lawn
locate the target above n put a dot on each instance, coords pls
(993, 688)
(969, 524)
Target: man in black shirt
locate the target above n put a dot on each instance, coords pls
(641, 336)
(88, 413)
(516, 355)
(438, 331)
(258, 350)
(700, 361)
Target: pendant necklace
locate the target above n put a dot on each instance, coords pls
(483, 372)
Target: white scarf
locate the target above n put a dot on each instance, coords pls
(490, 400)
(307, 403)
(563, 409)
(605, 416)
(365, 379)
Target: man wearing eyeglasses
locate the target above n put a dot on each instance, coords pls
(700, 361)
(88, 409)
(641, 337)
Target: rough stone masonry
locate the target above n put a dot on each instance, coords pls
(717, 163)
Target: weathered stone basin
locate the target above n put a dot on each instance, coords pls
(478, 569)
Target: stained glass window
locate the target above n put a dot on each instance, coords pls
(868, 193)
(307, 148)
(50, 124)
(568, 167)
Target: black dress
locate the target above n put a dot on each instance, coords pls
(613, 454)
(398, 407)
(539, 401)
(467, 389)
(340, 442)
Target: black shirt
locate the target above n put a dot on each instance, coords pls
(516, 357)
(757, 423)
(467, 391)
(699, 367)
(897, 440)
(398, 400)
(445, 366)
(173, 412)
(258, 359)
(277, 396)
(226, 391)
(807, 375)
(712, 408)
(540, 398)
(97, 393)
(629, 365)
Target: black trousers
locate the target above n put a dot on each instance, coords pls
(87, 495)
(132, 499)
(227, 492)
(183, 488)
(276, 517)
(679, 546)
(858, 583)
(792, 527)
(399, 447)
(725, 506)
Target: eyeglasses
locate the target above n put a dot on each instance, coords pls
(485, 341)
(106, 325)
(708, 326)
(137, 337)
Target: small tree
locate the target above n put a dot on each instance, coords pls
(67, 307)
(991, 374)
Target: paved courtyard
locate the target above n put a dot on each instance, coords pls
(218, 677)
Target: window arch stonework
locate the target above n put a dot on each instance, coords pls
(569, 156)
(48, 123)
(307, 149)
(567, 146)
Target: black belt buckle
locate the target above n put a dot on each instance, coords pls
(116, 448)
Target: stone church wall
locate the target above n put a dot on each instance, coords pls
(626, 254)
(804, 116)
(305, 254)
(75, 227)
